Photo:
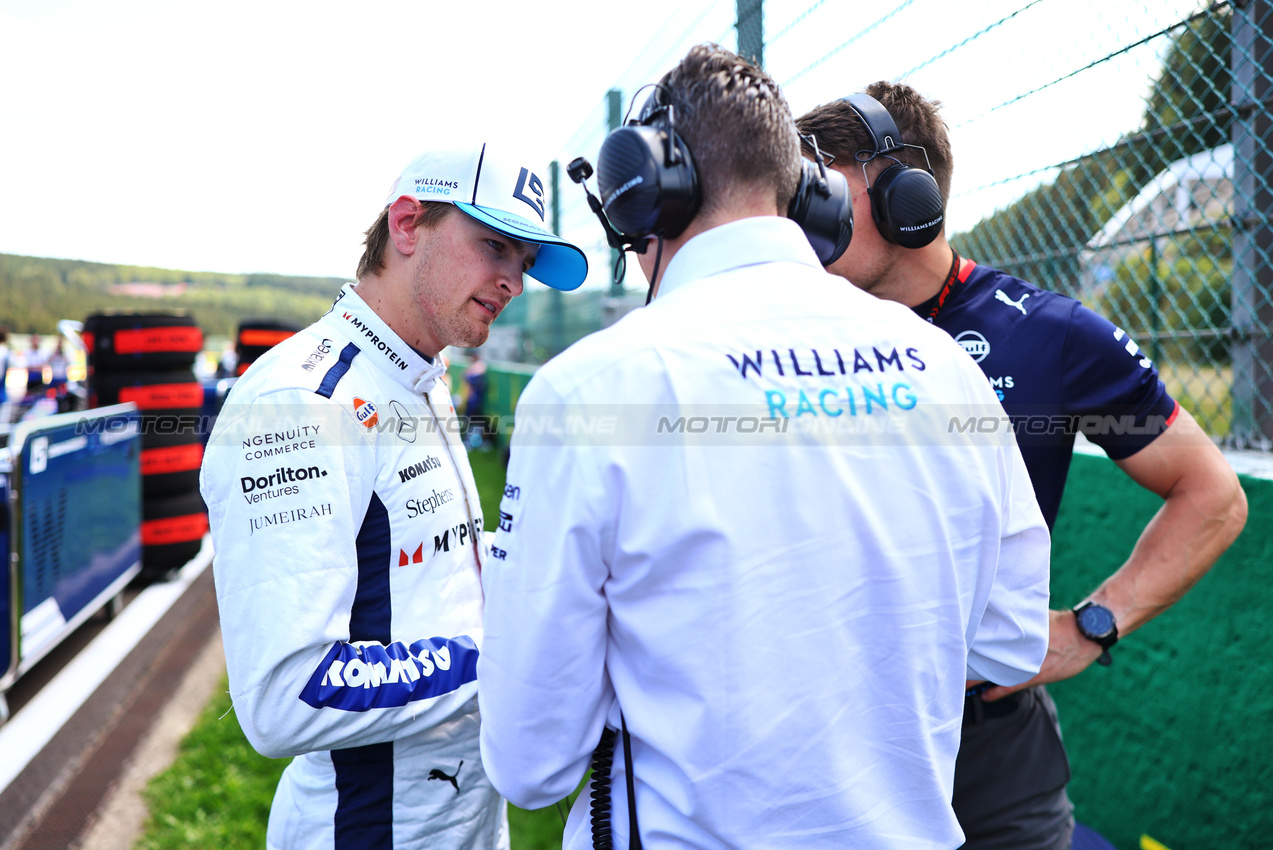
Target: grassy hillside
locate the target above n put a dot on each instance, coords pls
(36, 292)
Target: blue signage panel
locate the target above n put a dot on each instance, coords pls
(79, 511)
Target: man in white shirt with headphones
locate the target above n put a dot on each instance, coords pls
(737, 527)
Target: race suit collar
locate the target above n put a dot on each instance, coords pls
(381, 345)
(746, 242)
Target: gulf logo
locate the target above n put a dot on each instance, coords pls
(977, 346)
(365, 411)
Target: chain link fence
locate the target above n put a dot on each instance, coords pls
(1117, 153)
(1141, 227)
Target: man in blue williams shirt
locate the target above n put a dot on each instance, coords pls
(1054, 364)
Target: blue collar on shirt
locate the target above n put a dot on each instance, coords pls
(746, 242)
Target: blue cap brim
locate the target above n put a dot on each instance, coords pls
(557, 264)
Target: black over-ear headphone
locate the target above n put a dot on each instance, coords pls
(646, 176)
(822, 207)
(906, 202)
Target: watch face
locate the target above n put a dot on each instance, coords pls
(1096, 621)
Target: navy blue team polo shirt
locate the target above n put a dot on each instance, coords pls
(1058, 368)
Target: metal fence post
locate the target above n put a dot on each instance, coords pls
(1155, 303)
(556, 303)
(614, 116)
(1252, 350)
(751, 31)
(554, 177)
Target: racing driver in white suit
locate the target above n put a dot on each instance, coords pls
(347, 526)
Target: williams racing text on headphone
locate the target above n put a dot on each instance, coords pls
(905, 202)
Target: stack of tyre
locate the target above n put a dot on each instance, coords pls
(148, 359)
(257, 336)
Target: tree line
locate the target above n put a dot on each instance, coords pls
(37, 292)
(1177, 286)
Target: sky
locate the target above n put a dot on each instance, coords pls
(263, 136)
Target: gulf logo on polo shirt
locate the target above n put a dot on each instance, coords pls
(977, 346)
(365, 411)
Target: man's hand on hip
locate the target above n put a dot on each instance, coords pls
(1069, 653)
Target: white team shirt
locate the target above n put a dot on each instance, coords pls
(742, 517)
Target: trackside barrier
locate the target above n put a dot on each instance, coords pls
(504, 384)
(1172, 739)
(71, 527)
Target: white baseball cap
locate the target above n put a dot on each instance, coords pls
(502, 191)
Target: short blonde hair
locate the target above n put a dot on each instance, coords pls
(377, 237)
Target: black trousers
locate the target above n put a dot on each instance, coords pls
(1011, 773)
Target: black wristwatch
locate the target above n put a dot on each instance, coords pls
(1096, 623)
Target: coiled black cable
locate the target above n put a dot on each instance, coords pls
(599, 802)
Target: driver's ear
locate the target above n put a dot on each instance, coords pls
(402, 224)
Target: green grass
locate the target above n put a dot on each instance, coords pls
(488, 472)
(217, 793)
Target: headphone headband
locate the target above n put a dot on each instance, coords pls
(655, 105)
(879, 124)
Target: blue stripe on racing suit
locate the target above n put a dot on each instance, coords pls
(372, 611)
(364, 797)
(337, 371)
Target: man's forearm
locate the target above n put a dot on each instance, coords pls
(1203, 512)
(1176, 549)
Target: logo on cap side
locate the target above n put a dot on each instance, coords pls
(528, 180)
(434, 186)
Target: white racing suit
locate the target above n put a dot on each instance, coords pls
(348, 540)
